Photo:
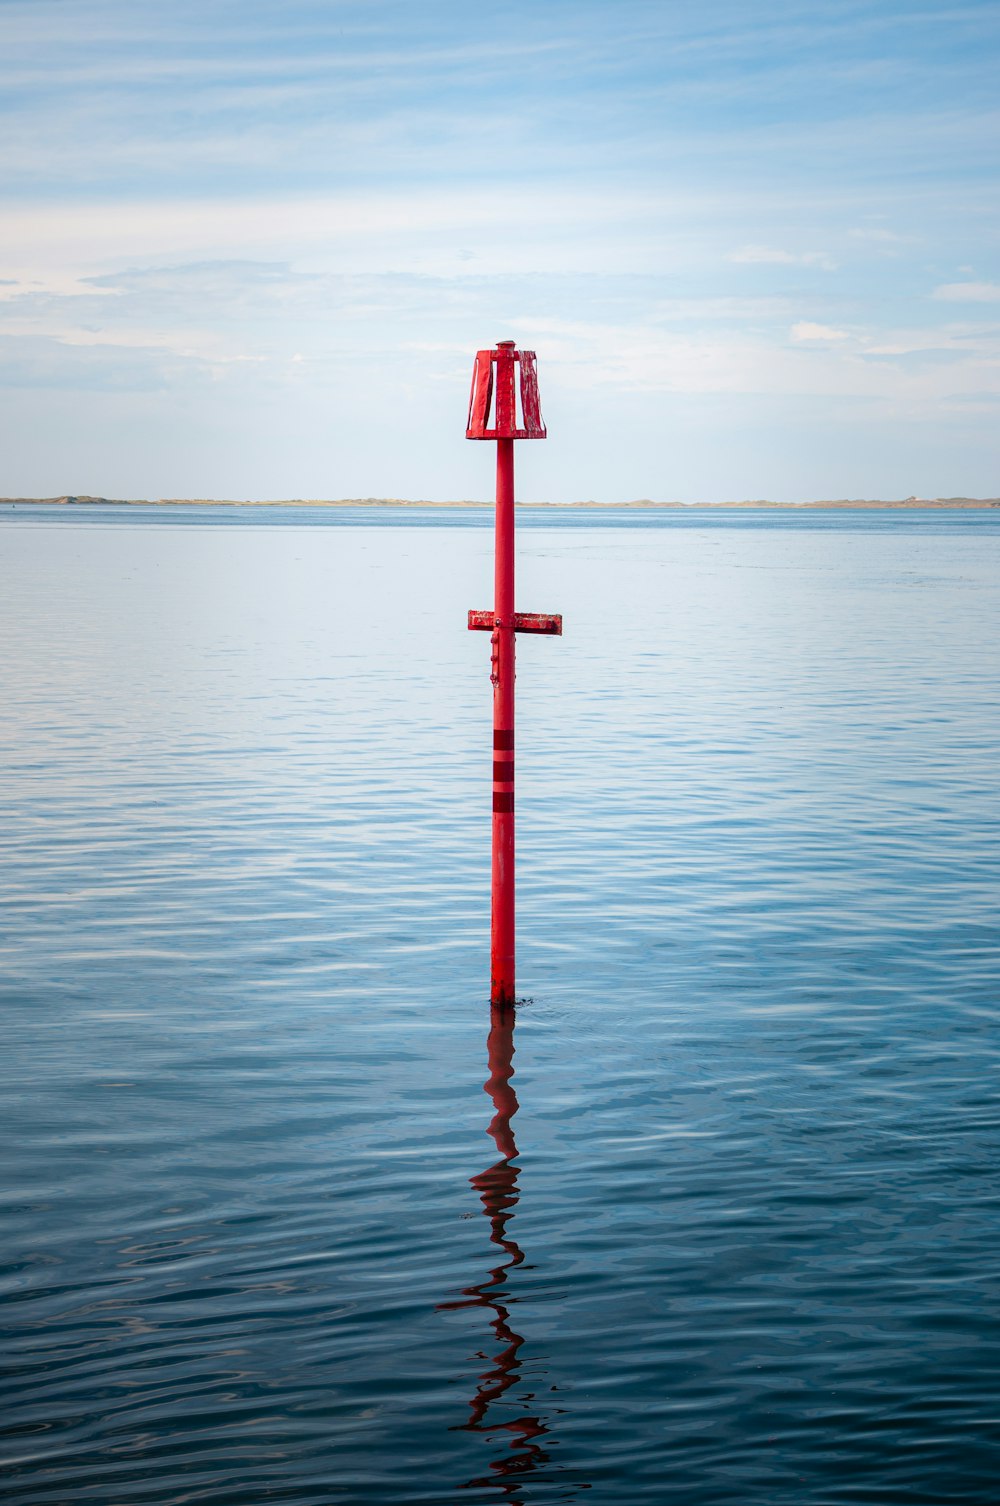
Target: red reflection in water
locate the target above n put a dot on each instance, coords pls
(498, 1192)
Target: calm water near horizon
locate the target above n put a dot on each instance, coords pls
(724, 1226)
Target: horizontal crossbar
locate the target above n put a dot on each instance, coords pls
(524, 622)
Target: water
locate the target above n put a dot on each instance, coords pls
(258, 1241)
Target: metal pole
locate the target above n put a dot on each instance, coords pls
(494, 395)
(502, 907)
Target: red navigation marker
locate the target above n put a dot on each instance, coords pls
(494, 399)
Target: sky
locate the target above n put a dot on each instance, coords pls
(248, 249)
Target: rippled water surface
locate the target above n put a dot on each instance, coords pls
(728, 1233)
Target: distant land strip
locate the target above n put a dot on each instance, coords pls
(642, 502)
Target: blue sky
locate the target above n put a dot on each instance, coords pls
(249, 249)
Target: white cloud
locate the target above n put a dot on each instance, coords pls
(969, 292)
(770, 256)
(411, 230)
(877, 234)
(805, 331)
(59, 283)
(583, 356)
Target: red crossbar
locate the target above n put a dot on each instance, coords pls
(549, 623)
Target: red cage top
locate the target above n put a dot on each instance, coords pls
(495, 399)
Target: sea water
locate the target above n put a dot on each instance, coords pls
(723, 1227)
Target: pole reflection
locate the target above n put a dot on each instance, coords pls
(499, 1192)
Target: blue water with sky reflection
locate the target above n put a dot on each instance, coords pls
(723, 1227)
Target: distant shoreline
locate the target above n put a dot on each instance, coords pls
(907, 503)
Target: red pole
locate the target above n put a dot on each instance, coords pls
(502, 898)
(496, 397)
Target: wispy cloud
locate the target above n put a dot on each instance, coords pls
(968, 292)
(805, 332)
(769, 256)
(877, 234)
